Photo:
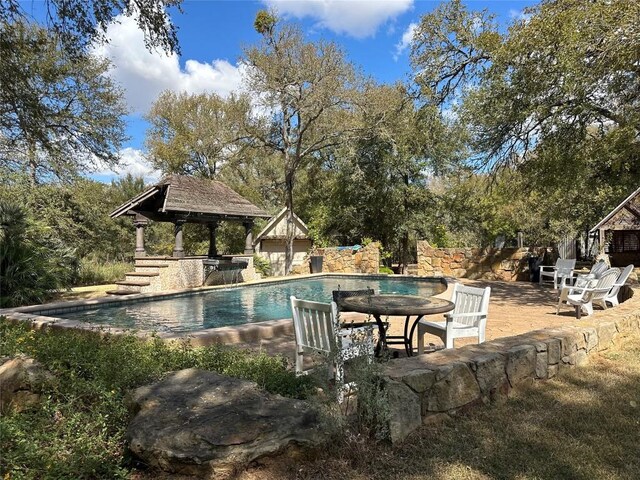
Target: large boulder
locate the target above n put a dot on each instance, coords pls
(197, 422)
(21, 382)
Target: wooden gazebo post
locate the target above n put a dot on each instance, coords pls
(140, 222)
(178, 249)
(213, 251)
(248, 242)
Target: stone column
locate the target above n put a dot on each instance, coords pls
(140, 222)
(520, 239)
(213, 251)
(248, 243)
(178, 249)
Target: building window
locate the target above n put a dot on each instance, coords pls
(628, 241)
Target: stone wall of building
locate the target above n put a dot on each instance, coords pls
(505, 264)
(344, 260)
(428, 388)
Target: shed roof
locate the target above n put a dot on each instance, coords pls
(191, 199)
(269, 231)
(631, 204)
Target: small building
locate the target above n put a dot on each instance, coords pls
(271, 242)
(619, 232)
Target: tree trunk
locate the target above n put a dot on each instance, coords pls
(288, 254)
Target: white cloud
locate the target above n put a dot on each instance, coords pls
(358, 18)
(405, 41)
(519, 15)
(134, 162)
(144, 74)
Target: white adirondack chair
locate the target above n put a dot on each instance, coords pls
(612, 296)
(597, 269)
(317, 329)
(560, 274)
(583, 298)
(582, 281)
(468, 318)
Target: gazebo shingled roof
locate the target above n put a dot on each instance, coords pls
(194, 200)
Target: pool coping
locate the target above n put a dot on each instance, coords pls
(42, 316)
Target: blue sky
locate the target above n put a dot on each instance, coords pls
(374, 35)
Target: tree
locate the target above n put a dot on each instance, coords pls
(58, 114)
(79, 22)
(195, 134)
(556, 96)
(303, 92)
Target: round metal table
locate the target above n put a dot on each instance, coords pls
(403, 305)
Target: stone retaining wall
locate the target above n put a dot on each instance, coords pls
(425, 388)
(334, 260)
(505, 264)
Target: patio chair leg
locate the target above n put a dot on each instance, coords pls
(578, 311)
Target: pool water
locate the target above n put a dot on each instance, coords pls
(242, 304)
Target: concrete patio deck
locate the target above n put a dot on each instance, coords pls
(514, 308)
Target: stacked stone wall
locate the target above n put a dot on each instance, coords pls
(334, 260)
(507, 264)
(427, 388)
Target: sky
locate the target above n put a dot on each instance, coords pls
(374, 34)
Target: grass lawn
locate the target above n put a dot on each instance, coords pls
(584, 424)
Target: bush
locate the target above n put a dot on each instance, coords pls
(34, 266)
(78, 430)
(99, 273)
(385, 270)
(262, 265)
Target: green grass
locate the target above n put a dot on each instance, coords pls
(78, 429)
(100, 273)
(584, 424)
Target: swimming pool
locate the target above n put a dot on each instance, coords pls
(241, 304)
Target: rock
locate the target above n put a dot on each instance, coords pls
(404, 410)
(21, 381)
(521, 363)
(453, 390)
(198, 422)
(490, 372)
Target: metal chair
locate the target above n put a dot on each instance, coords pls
(468, 318)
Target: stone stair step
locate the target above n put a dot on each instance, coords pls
(142, 274)
(152, 265)
(121, 292)
(133, 283)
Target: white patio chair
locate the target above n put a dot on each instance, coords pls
(560, 273)
(317, 329)
(468, 318)
(612, 296)
(583, 298)
(582, 281)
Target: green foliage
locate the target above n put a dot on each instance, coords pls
(386, 270)
(33, 267)
(60, 114)
(97, 273)
(262, 265)
(78, 430)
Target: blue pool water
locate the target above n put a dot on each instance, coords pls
(242, 304)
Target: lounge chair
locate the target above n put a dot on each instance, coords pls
(317, 329)
(583, 298)
(561, 273)
(468, 318)
(612, 296)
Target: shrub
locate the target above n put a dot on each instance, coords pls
(100, 273)
(34, 266)
(385, 270)
(262, 265)
(78, 430)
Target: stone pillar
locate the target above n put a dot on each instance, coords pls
(140, 222)
(248, 243)
(520, 239)
(178, 249)
(213, 251)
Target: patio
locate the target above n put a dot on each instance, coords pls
(514, 308)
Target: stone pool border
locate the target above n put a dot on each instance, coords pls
(43, 316)
(427, 389)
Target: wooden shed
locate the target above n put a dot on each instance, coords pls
(619, 232)
(272, 240)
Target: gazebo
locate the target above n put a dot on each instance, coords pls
(181, 199)
(620, 231)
